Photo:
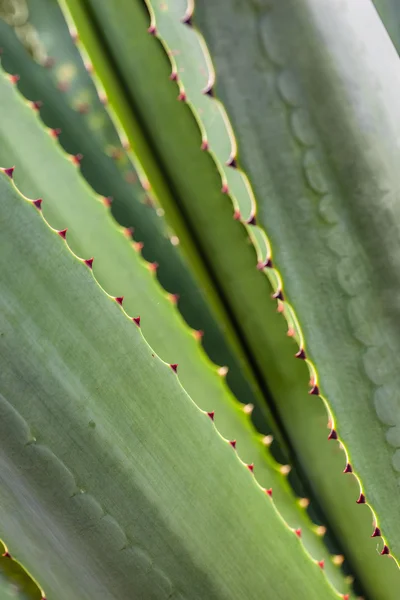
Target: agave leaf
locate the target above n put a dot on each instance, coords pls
(91, 232)
(263, 333)
(305, 421)
(80, 388)
(333, 162)
(64, 85)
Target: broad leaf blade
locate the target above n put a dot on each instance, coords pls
(99, 498)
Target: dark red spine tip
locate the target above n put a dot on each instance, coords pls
(9, 172)
(269, 492)
(107, 201)
(314, 391)
(252, 220)
(236, 215)
(301, 354)
(204, 145)
(211, 415)
(174, 76)
(119, 300)
(376, 532)
(321, 564)
(232, 162)
(278, 295)
(6, 554)
(225, 188)
(266, 264)
(385, 550)
(182, 97)
(38, 203)
(62, 233)
(333, 435)
(137, 321)
(361, 499)
(233, 444)
(187, 20)
(174, 367)
(77, 159)
(250, 467)
(348, 468)
(55, 133)
(209, 92)
(298, 532)
(152, 30)
(14, 78)
(37, 104)
(89, 262)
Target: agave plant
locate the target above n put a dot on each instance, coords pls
(199, 325)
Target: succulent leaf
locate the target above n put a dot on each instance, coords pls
(337, 140)
(67, 345)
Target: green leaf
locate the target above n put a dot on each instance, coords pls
(209, 216)
(80, 388)
(389, 11)
(320, 143)
(62, 82)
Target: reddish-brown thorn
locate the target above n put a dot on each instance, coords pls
(173, 298)
(38, 203)
(278, 295)
(361, 499)
(63, 233)
(298, 532)
(211, 415)
(225, 188)
(385, 550)
(348, 468)
(128, 232)
(83, 108)
(36, 104)
(55, 133)
(198, 334)
(14, 78)
(231, 162)
(233, 444)
(346, 597)
(269, 492)
(321, 564)
(332, 435)
(204, 145)
(136, 320)
(6, 554)
(236, 215)
(152, 30)
(89, 262)
(187, 20)
(9, 172)
(174, 76)
(77, 159)
(252, 220)
(182, 97)
(250, 467)
(119, 300)
(49, 62)
(174, 368)
(301, 354)
(266, 264)
(138, 246)
(153, 267)
(107, 201)
(376, 532)
(63, 86)
(314, 391)
(209, 91)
